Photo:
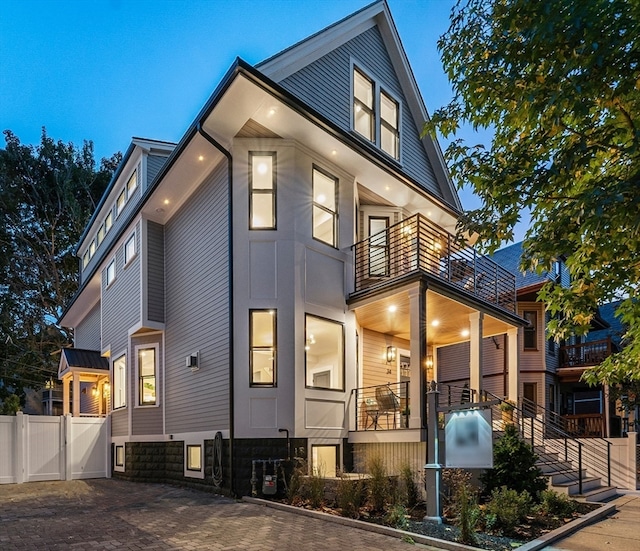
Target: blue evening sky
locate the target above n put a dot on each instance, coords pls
(107, 70)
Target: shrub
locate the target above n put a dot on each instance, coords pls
(508, 507)
(514, 466)
(468, 513)
(378, 484)
(398, 517)
(315, 489)
(349, 496)
(295, 487)
(409, 494)
(556, 505)
(453, 480)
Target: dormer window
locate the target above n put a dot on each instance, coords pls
(376, 114)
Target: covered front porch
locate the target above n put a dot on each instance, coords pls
(86, 388)
(402, 333)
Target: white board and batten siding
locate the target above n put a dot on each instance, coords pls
(37, 448)
(197, 309)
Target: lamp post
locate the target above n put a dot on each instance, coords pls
(433, 469)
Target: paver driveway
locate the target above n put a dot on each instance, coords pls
(112, 514)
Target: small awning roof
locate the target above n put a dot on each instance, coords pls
(86, 361)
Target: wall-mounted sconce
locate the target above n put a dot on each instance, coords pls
(391, 354)
(94, 391)
(429, 365)
(192, 361)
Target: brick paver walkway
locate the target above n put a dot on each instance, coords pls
(112, 514)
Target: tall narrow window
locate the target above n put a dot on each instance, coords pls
(262, 337)
(262, 191)
(120, 202)
(147, 376)
(324, 353)
(130, 249)
(378, 246)
(132, 184)
(85, 259)
(531, 330)
(110, 273)
(389, 125)
(108, 221)
(120, 382)
(325, 212)
(92, 248)
(363, 106)
(100, 235)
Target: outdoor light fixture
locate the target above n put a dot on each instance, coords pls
(429, 365)
(94, 391)
(391, 354)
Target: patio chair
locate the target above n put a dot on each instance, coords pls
(388, 403)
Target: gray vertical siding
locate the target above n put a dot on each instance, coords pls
(147, 419)
(155, 272)
(197, 309)
(121, 301)
(87, 333)
(154, 164)
(334, 101)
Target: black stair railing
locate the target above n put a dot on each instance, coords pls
(552, 444)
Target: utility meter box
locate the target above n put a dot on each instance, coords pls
(269, 484)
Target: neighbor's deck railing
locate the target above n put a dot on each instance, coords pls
(418, 245)
(585, 354)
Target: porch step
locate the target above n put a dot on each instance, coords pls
(570, 487)
(553, 466)
(597, 495)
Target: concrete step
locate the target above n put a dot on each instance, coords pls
(565, 476)
(597, 495)
(553, 465)
(572, 487)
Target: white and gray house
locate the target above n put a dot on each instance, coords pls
(285, 279)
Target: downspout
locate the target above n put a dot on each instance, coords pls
(227, 154)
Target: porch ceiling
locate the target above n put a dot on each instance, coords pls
(446, 318)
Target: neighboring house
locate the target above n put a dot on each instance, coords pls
(287, 270)
(550, 372)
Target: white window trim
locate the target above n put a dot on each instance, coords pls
(128, 259)
(194, 442)
(113, 381)
(335, 214)
(109, 282)
(116, 467)
(379, 86)
(156, 348)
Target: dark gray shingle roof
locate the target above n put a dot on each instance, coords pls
(76, 357)
(509, 258)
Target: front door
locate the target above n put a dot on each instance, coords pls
(530, 393)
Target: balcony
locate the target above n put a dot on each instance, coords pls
(417, 245)
(586, 354)
(382, 407)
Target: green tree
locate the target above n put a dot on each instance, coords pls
(556, 83)
(47, 194)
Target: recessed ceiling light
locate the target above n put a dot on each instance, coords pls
(160, 210)
(465, 332)
(166, 201)
(435, 323)
(393, 308)
(201, 158)
(334, 152)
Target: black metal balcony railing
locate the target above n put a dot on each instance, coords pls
(382, 407)
(418, 245)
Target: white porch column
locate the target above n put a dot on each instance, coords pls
(76, 395)
(65, 396)
(513, 365)
(475, 351)
(418, 339)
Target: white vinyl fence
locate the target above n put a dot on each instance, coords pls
(38, 447)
